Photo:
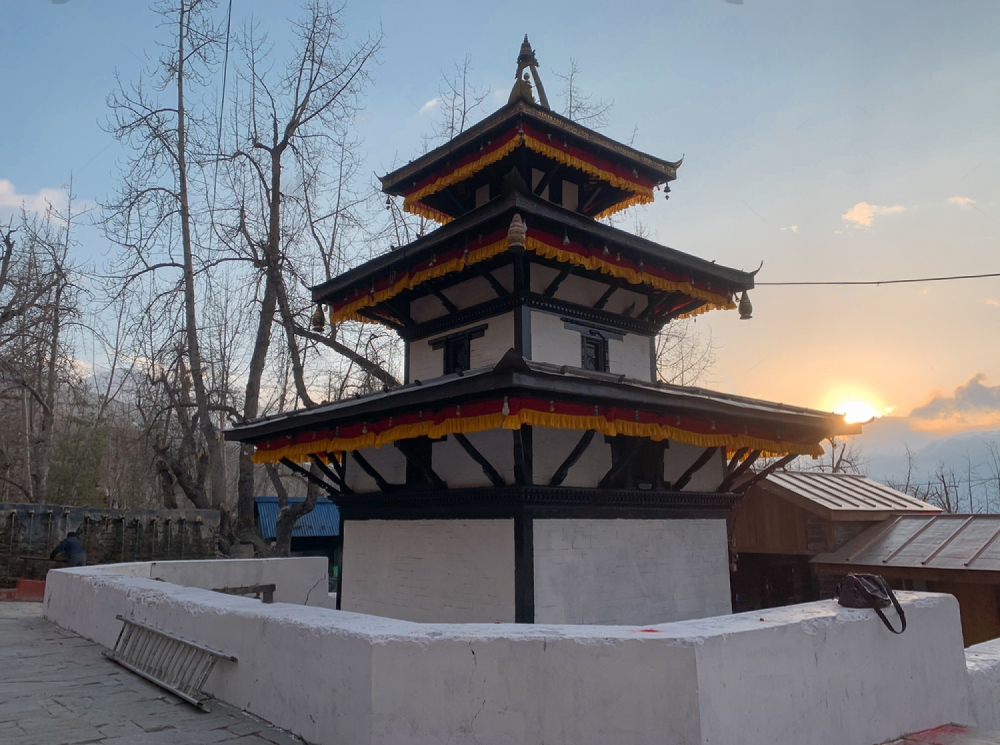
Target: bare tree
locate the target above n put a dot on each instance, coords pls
(579, 106)
(457, 102)
(153, 219)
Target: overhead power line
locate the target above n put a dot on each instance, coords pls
(878, 281)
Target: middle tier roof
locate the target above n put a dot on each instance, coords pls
(672, 284)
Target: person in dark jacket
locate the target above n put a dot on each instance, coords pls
(72, 547)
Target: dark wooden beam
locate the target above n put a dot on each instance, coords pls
(367, 467)
(741, 469)
(524, 566)
(448, 305)
(700, 463)
(764, 473)
(686, 308)
(603, 299)
(491, 473)
(304, 473)
(375, 317)
(546, 180)
(486, 274)
(590, 199)
(400, 311)
(523, 469)
(737, 457)
(421, 464)
(318, 462)
(554, 284)
(340, 473)
(622, 463)
(578, 450)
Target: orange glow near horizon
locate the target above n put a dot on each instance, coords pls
(856, 411)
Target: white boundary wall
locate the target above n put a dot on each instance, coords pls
(813, 673)
(301, 580)
(984, 683)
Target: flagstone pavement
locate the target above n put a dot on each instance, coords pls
(57, 689)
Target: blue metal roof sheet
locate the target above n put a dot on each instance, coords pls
(322, 522)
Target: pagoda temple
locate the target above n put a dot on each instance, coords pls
(531, 467)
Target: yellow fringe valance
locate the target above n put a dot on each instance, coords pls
(642, 193)
(629, 274)
(437, 427)
(407, 281)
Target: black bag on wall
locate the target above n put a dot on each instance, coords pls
(870, 591)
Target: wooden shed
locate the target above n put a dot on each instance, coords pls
(956, 554)
(791, 516)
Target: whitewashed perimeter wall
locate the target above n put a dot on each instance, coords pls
(302, 580)
(630, 571)
(552, 342)
(427, 363)
(445, 571)
(813, 674)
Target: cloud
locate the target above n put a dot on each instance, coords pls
(428, 107)
(962, 202)
(973, 406)
(793, 228)
(863, 213)
(10, 199)
(992, 301)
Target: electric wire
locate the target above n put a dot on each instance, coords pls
(877, 281)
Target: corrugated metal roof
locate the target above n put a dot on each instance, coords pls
(968, 542)
(844, 492)
(322, 522)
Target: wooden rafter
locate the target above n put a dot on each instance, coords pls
(486, 274)
(764, 473)
(491, 473)
(575, 454)
(739, 471)
(368, 468)
(304, 473)
(737, 457)
(421, 464)
(700, 463)
(622, 462)
(558, 280)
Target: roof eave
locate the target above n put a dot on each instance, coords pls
(667, 170)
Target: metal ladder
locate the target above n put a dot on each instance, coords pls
(171, 662)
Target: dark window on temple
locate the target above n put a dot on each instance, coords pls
(456, 355)
(594, 352)
(457, 349)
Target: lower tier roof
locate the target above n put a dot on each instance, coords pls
(517, 392)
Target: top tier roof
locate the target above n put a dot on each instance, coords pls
(610, 176)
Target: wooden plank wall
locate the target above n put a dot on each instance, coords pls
(765, 523)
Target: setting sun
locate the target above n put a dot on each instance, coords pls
(856, 411)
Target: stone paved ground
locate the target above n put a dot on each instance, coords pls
(57, 689)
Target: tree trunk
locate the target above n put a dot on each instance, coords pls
(212, 441)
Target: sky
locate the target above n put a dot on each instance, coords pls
(830, 141)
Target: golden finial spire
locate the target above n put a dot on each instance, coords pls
(522, 88)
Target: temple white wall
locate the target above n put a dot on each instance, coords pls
(814, 673)
(679, 457)
(630, 571)
(574, 289)
(550, 447)
(498, 337)
(387, 460)
(456, 467)
(445, 571)
(983, 661)
(552, 342)
(630, 357)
